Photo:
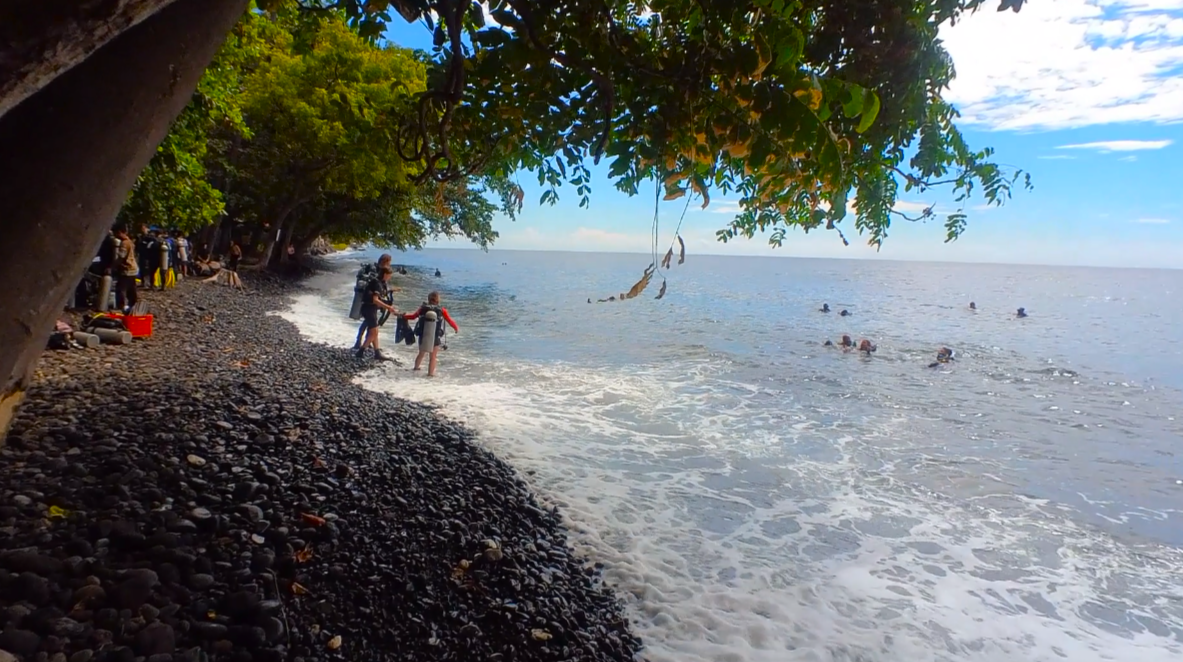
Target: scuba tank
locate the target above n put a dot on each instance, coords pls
(427, 331)
(104, 299)
(167, 277)
(359, 291)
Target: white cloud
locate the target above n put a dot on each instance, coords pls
(911, 206)
(1069, 63)
(1128, 159)
(595, 239)
(1120, 145)
(1151, 221)
(724, 207)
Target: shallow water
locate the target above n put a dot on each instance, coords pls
(757, 497)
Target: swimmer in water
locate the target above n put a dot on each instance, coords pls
(825, 308)
(866, 347)
(845, 313)
(847, 343)
(944, 355)
(973, 306)
(1022, 313)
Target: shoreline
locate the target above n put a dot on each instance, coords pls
(224, 491)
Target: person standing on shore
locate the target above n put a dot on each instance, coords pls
(368, 273)
(182, 253)
(235, 256)
(147, 252)
(441, 316)
(126, 270)
(376, 295)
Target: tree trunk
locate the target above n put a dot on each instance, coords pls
(41, 39)
(70, 153)
(272, 239)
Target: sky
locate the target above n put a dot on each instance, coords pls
(1086, 95)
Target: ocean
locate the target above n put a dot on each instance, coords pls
(757, 497)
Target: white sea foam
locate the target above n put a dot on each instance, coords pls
(738, 531)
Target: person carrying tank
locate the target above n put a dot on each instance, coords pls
(365, 275)
(376, 300)
(426, 346)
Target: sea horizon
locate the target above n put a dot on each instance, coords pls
(493, 249)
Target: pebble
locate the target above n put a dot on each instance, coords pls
(184, 539)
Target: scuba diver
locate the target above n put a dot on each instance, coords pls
(441, 316)
(365, 275)
(824, 309)
(377, 296)
(1022, 313)
(846, 343)
(944, 355)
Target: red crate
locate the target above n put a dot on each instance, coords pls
(140, 326)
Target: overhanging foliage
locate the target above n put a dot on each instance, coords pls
(798, 106)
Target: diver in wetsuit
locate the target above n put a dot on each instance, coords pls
(376, 302)
(366, 274)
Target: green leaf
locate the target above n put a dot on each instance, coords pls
(792, 46)
(854, 95)
(870, 110)
(620, 165)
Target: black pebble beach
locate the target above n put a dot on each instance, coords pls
(223, 491)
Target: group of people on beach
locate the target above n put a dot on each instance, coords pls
(153, 259)
(378, 306)
(847, 344)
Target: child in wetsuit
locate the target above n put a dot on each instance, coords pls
(441, 316)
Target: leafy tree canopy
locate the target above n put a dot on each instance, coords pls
(294, 128)
(800, 107)
(174, 189)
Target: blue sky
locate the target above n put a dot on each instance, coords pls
(1086, 95)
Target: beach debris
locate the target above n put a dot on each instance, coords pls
(57, 512)
(461, 569)
(540, 635)
(312, 520)
(304, 555)
(334, 643)
(299, 589)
